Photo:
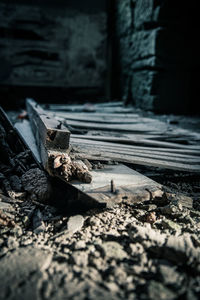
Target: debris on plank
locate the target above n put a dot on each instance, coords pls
(36, 183)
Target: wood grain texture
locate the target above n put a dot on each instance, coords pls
(87, 152)
(130, 186)
(138, 151)
(53, 134)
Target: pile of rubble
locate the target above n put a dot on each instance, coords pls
(148, 250)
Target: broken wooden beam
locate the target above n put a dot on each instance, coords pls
(51, 132)
(52, 139)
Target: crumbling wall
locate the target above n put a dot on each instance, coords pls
(158, 53)
(53, 44)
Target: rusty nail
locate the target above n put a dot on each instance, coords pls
(112, 186)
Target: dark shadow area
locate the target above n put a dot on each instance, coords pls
(158, 54)
(54, 52)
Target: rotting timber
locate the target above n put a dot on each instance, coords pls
(52, 139)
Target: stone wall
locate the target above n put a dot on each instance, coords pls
(158, 53)
(59, 44)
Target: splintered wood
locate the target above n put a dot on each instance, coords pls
(119, 134)
(52, 139)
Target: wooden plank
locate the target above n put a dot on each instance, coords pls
(147, 128)
(90, 108)
(142, 140)
(129, 186)
(125, 149)
(86, 152)
(52, 140)
(24, 130)
(107, 119)
(18, 145)
(111, 104)
(50, 132)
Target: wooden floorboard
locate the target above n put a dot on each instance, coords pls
(83, 152)
(129, 186)
(147, 144)
(118, 148)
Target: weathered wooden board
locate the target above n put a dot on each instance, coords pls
(107, 118)
(91, 108)
(143, 152)
(52, 133)
(126, 147)
(24, 130)
(17, 145)
(142, 140)
(87, 152)
(129, 186)
(52, 138)
(137, 127)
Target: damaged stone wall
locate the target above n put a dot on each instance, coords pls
(158, 53)
(53, 45)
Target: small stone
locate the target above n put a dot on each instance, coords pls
(111, 286)
(169, 275)
(157, 291)
(38, 224)
(80, 258)
(26, 241)
(168, 224)
(12, 243)
(6, 206)
(113, 250)
(151, 217)
(94, 221)
(80, 245)
(17, 231)
(75, 223)
(136, 249)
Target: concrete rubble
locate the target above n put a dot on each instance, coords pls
(147, 250)
(110, 254)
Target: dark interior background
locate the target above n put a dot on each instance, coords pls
(53, 50)
(145, 52)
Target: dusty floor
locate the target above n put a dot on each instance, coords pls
(148, 251)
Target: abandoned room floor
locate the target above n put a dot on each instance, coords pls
(144, 250)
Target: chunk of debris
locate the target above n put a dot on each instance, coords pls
(180, 198)
(64, 167)
(151, 217)
(36, 183)
(75, 223)
(5, 220)
(113, 250)
(38, 224)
